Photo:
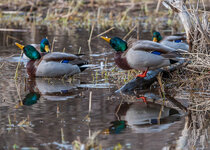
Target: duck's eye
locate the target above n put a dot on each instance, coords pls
(113, 44)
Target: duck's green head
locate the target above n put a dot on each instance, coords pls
(45, 45)
(29, 51)
(156, 37)
(117, 43)
(31, 98)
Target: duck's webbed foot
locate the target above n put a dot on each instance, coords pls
(144, 74)
(143, 98)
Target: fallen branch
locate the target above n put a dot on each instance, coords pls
(146, 82)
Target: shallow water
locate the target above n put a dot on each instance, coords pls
(54, 111)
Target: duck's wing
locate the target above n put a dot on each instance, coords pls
(141, 60)
(180, 46)
(174, 38)
(64, 58)
(58, 56)
(149, 46)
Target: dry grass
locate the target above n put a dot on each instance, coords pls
(200, 59)
(195, 80)
(83, 13)
(90, 143)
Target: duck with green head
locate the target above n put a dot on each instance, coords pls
(45, 45)
(54, 64)
(173, 41)
(139, 54)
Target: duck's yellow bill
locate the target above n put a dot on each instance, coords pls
(106, 131)
(19, 104)
(19, 45)
(106, 39)
(46, 48)
(155, 39)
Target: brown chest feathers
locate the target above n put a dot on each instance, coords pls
(32, 65)
(31, 68)
(121, 61)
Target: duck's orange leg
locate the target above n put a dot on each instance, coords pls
(143, 98)
(144, 74)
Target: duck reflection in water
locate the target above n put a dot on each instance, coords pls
(147, 118)
(116, 127)
(143, 117)
(30, 99)
(54, 89)
(49, 89)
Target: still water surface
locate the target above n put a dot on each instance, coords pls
(54, 111)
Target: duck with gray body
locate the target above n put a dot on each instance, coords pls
(171, 41)
(54, 64)
(139, 55)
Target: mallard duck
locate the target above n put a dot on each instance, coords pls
(54, 64)
(173, 41)
(140, 54)
(43, 47)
